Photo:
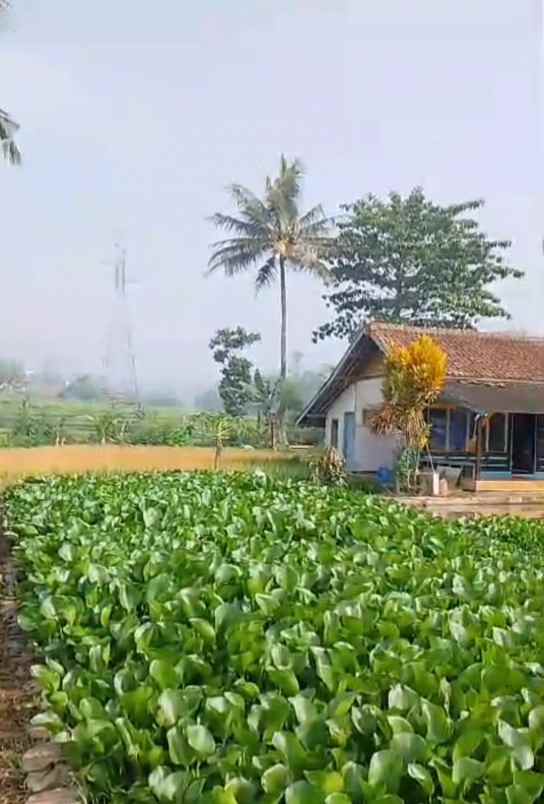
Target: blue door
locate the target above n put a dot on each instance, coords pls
(348, 443)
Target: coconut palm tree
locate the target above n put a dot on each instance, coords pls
(8, 127)
(271, 235)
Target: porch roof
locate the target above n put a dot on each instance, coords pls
(507, 397)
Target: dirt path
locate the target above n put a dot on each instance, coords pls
(17, 690)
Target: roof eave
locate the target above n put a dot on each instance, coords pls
(306, 414)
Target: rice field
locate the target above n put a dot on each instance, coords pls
(82, 459)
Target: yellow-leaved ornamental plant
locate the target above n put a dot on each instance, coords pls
(414, 379)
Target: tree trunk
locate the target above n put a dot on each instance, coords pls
(282, 434)
(283, 294)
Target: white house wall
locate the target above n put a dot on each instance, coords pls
(371, 451)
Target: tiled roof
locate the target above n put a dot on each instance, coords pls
(473, 355)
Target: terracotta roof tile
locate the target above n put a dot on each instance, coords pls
(473, 355)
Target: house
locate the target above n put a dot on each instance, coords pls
(489, 420)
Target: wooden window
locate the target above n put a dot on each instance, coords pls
(496, 433)
(438, 419)
(457, 431)
(334, 433)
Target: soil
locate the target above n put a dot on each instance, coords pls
(17, 690)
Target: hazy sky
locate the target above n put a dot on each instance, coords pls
(136, 115)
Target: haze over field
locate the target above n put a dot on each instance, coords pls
(134, 120)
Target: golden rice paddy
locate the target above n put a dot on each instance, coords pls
(81, 459)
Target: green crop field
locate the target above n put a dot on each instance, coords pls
(76, 417)
(238, 639)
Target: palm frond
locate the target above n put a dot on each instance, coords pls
(283, 193)
(266, 274)
(8, 129)
(250, 206)
(242, 227)
(314, 214)
(315, 222)
(307, 261)
(236, 255)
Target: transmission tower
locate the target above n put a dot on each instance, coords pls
(121, 377)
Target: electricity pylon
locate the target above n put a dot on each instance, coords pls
(120, 372)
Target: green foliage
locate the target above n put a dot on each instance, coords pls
(407, 469)
(108, 427)
(229, 638)
(31, 429)
(153, 430)
(235, 387)
(409, 260)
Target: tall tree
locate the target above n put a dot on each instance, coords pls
(235, 387)
(409, 260)
(271, 234)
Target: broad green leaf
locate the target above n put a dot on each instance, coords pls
(385, 769)
(291, 750)
(439, 727)
(466, 771)
(303, 793)
(536, 719)
(411, 747)
(172, 705)
(326, 781)
(275, 779)
(422, 776)
(285, 680)
(180, 750)
(201, 740)
(402, 698)
(243, 790)
(467, 743)
(399, 724)
(164, 674)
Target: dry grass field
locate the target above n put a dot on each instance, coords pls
(79, 459)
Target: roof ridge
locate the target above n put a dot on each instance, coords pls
(475, 333)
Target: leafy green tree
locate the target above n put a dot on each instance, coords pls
(270, 235)
(235, 387)
(409, 260)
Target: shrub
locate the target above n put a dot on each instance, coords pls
(330, 468)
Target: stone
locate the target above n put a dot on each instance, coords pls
(51, 779)
(38, 733)
(58, 796)
(41, 757)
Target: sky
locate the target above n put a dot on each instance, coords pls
(135, 116)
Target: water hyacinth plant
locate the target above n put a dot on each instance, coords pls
(236, 639)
